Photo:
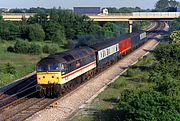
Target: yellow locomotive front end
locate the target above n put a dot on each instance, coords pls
(49, 79)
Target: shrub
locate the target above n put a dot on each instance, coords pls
(10, 69)
(35, 49)
(148, 106)
(50, 49)
(10, 49)
(21, 46)
(26, 47)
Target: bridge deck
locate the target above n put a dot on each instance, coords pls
(109, 17)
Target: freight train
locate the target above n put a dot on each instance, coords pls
(60, 72)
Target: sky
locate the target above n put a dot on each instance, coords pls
(77, 3)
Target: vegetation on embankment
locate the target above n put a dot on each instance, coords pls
(16, 65)
(148, 91)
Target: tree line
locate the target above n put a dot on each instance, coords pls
(62, 27)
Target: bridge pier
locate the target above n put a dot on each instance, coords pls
(130, 26)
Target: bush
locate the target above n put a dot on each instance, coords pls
(26, 47)
(35, 49)
(50, 49)
(10, 69)
(10, 49)
(21, 46)
(133, 72)
(148, 106)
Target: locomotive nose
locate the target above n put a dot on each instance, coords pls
(49, 78)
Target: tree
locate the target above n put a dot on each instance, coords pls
(53, 15)
(40, 18)
(175, 25)
(59, 37)
(166, 5)
(56, 33)
(1, 18)
(36, 33)
(173, 3)
(161, 5)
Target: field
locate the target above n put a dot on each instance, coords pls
(23, 64)
(103, 106)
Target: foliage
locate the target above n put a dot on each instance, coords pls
(175, 36)
(35, 49)
(1, 18)
(125, 10)
(50, 49)
(27, 47)
(175, 25)
(9, 30)
(21, 46)
(8, 68)
(10, 49)
(148, 105)
(59, 37)
(160, 102)
(167, 53)
(40, 18)
(166, 5)
(36, 33)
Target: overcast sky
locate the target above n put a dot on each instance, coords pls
(76, 3)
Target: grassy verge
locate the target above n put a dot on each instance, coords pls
(23, 63)
(134, 79)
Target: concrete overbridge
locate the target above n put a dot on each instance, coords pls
(129, 17)
(136, 16)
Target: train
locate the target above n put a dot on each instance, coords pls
(60, 72)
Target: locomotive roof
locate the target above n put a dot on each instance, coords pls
(67, 56)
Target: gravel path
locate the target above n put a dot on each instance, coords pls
(80, 97)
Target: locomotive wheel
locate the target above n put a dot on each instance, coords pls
(56, 90)
(41, 93)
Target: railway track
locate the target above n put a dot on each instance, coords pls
(20, 102)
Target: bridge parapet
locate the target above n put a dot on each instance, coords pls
(18, 14)
(156, 14)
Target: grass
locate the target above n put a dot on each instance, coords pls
(23, 63)
(103, 106)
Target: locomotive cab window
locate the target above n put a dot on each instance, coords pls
(42, 68)
(54, 67)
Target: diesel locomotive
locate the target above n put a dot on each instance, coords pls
(60, 72)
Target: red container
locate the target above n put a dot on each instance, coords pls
(125, 45)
